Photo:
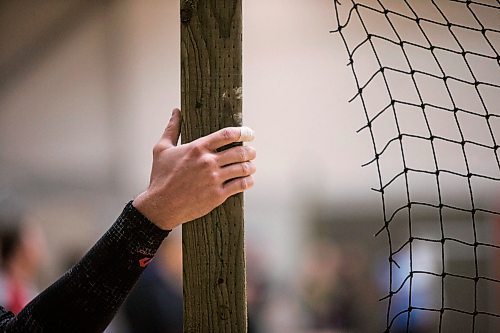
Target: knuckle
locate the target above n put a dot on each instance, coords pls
(227, 134)
(196, 149)
(246, 183)
(207, 161)
(169, 126)
(243, 183)
(242, 154)
(157, 149)
(249, 168)
(214, 175)
(245, 168)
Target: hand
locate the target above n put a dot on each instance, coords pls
(190, 180)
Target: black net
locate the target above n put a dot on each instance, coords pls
(428, 80)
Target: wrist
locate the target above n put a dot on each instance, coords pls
(147, 205)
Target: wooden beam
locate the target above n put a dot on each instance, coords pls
(211, 88)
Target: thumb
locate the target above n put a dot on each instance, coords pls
(173, 130)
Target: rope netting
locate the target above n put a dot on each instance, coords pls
(428, 80)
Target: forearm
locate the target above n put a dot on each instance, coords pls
(187, 181)
(87, 297)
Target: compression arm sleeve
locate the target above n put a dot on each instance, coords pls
(86, 298)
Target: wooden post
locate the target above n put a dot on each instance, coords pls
(213, 247)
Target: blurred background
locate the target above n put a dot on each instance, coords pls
(86, 88)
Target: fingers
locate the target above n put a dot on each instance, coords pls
(228, 135)
(237, 170)
(238, 185)
(235, 155)
(172, 132)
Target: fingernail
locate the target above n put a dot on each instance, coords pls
(246, 134)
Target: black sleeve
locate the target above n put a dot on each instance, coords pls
(86, 298)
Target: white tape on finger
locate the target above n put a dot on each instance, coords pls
(246, 134)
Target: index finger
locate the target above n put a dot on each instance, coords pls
(229, 135)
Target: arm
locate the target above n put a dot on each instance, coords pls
(187, 181)
(87, 297)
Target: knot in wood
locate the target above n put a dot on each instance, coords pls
(187, 11)
(186, 14)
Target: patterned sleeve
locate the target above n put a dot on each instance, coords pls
(86, 298)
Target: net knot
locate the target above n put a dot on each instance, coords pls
(447, 77)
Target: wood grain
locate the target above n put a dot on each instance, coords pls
(211, 88)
